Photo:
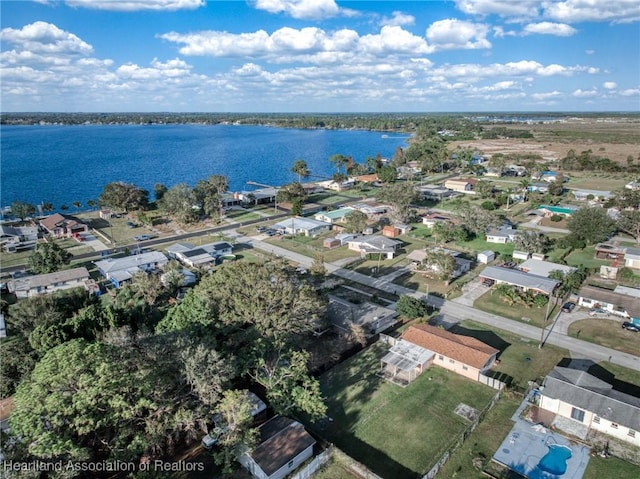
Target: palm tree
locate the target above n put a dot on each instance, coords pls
(301, 169)
(91, 204)
(64, 207)
(525, 183)
(339, 161)
(46, 206)
(77, 205)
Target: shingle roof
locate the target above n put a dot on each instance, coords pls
(519, 278)
(128, 262)
(42, 280)
(581, 389)
(281, 440)
(465, 349)
(544, 268)
(629, 303)
(300, 224)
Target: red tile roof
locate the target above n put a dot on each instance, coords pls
(464, 349)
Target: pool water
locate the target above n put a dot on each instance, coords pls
(555, 461)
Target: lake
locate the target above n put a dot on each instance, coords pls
(63, 164)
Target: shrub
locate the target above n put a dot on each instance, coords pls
(488, 205)
(556, 218)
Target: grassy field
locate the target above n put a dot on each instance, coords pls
(312, 247)
(520, 358)
(396, 432)
(585, 257)
(607, 333)
(479, 244)
(492, 303)
(610, 467)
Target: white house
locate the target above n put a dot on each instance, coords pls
(462, 265)
(544, 268)
(305, 226)
(18, 238)
(486, 257)
(195, 256)
(27, 286)
(283, 446)
(617, 303)
(502, 236)
(374, 245)
(632, 258)
(579, 396)
(335, 216)
(121, 270)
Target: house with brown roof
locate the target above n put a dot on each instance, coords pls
(283, 446)
(463, 355)
(60, 226)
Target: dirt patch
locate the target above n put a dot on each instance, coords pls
(467, 412)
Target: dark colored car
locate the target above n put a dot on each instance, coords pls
(568, 307)
(631, 327)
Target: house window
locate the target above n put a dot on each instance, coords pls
(577, 414)
(631, 433)
(596, 419)
(614, 425)
(290, 464)
(441, 358)
(451, 361)
(465, 368)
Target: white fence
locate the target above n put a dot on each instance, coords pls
(391, 341)
(314, 465)
(491, 382)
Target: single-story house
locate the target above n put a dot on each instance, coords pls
(632, 258)
(374, 245)
(633, 292)
(561, 210)
(544, 268)
(258, 196)
(335, 216)
(432, 219)
(633, 185)
(463, 355)
(610, 251)
(372, 318)
(462, 265)
(519, 279)
(502, 235)
(579, 396)
(372, 178)
(338, 240)
(538, 187)
(105, 214)
(188, 278)
(371, 208)
(283, 446)
(403, 228)
(337, 186)
(195, 256)
(462, 185)
(583, 195)
(405, 361)
(60, 226)
(435, 192)
(486, 257)
(619, 304)
(18, 238)
(391, 231)
(306, 226)
(121, 270)
(312, 188)
(27, 286)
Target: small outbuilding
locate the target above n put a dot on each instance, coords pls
(486, 257)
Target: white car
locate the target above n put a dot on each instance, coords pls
(598, 312)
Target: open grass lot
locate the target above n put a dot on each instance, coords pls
(493, 303)
(396, 432)
(422, 284)
(312, 247)
(600, 468)
(479, 244)
(520, 357)
(585, 257)
(242, 215)
(607, 333)
(8, 260)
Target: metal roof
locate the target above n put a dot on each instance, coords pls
(519, 278)
(544, 268)
(407, 356)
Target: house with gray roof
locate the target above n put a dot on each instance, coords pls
(579, 396)
(617, 303)
(18, 238)
(121, 270)
(374, 245)
(632, 258)
(306, 226)
(519, 279)
(544, 268)
(501, 235)
(34, 285)
(372, 318)
(197, 256)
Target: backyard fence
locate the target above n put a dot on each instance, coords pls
(350, 463)
(491, 382)
(317, 462)
(462, 438)
(385, 338)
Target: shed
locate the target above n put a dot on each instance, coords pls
(331, 243)
(486, 257)
(390, 231)
(523, 255)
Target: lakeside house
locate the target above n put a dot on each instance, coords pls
(306, 226)
(120, 270)
(60, 226)
(35, 285)
(18, 238)
(591, 402)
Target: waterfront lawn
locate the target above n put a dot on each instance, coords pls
(520, 358)
(607, 333)
(242, 215)
(396, 432)
(492, 303)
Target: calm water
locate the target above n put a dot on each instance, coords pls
(63, 164)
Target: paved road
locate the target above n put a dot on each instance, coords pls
(454, 312)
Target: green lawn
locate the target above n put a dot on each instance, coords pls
(479, 244)
(242, 215)
(586, 257)
(396, 432)
(492, 303)
(312, 247)
(607, 333)
(600, 468)
(520, 358)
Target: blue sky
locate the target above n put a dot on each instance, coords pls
(320, 55)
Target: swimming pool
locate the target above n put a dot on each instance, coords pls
(555, 461)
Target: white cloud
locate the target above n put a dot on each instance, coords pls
(610, 85)
(393, 40)
(589, 52)
(579, 93)
(522, 68)
(399, 19)
(135, 5)
(503, 8)
(630, 92)
(549, 28)
(303, 9)
(452, 34)
(546, 96)
(45, 38)
(575, 11)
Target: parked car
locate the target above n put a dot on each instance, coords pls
(568, 307)
(260, 229)
(631, 327)
(488, 283)
(598, 312)
(143, 237)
